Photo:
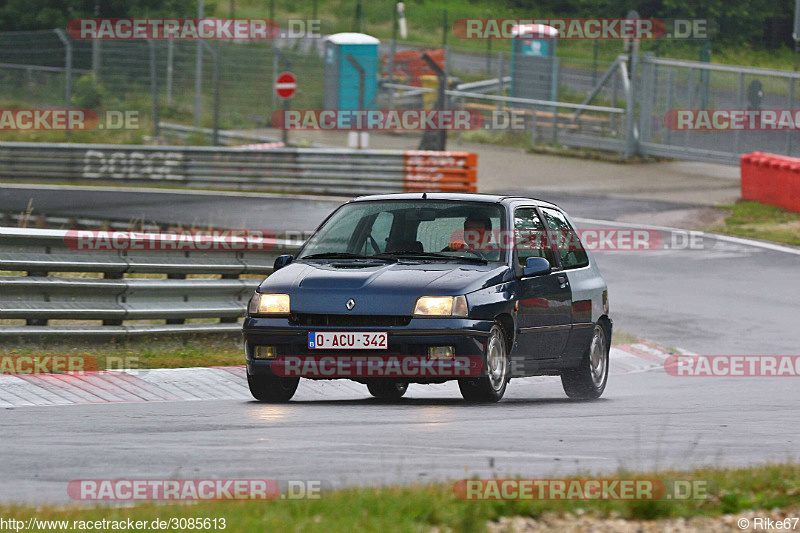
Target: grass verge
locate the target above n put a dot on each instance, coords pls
(760, 221)
(434, 506)
(153, 352)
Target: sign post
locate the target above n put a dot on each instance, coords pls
(285, 86)
(796, 32)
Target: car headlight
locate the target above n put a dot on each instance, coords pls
(441, 306)
(269, 304)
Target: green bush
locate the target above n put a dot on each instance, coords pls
(88, 93)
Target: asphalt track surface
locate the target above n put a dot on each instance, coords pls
(727, 298)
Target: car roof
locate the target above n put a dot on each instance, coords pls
(463, 197)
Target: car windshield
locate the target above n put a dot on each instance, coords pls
(425, 230)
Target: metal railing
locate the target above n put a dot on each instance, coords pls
(42, 282)
(330, 171)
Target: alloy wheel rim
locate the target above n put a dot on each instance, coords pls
(597, 357)
(496, 361)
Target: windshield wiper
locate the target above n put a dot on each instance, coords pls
(345, 255)
(434, 255)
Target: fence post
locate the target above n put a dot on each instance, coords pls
(215, 128)
(790, 106)
(646, 97)
(170, 61)
(553, 86)
(392, 48)
(740, 103)
(670, 102)
(690, 88)
(500, 89)
(614, 84)
(67, 66)
(361, 81)
(630, 135)
(198, 70)
(154, 86)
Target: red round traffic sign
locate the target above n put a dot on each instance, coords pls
(285, 85)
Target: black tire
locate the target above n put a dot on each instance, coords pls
(387, 389)
(492, 387)
(588, 380)
(273, 389)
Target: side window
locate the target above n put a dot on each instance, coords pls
(569, 244)
(529, 236)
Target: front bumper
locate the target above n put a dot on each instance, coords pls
(467, 336)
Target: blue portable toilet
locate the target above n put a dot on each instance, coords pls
(342, 77)
(533, 62)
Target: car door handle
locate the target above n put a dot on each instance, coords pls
(563, 281)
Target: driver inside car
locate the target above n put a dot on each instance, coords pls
(477, 238)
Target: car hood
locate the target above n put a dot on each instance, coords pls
(377, 289)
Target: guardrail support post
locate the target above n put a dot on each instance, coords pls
(36, 321)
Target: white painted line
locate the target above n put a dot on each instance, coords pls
(728, 238)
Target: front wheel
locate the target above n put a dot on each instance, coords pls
(273, 389)
(588, 380)
(387, 389)
(492, 387)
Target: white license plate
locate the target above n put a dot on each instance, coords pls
(348, 340)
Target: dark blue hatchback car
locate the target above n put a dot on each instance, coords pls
(487, 287)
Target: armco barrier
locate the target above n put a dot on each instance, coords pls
(320, 170)
(771, 179)
(39, 284)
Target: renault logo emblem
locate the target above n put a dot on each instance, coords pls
(350, 304)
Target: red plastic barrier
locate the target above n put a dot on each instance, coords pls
(771, 179)
(440, 171)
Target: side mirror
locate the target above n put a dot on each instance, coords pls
(281, 261)
(535, 266)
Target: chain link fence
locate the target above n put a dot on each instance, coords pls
(667, 85)
(160, 79)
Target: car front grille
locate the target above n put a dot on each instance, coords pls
(350, 321)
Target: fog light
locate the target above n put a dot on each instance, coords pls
(441, 352)
(264, 352)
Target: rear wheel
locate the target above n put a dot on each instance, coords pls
(274, 389)
(387, 389)
(492, 387)
(588, 380)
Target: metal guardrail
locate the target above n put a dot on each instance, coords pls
(36, 289)
(331, 171)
